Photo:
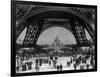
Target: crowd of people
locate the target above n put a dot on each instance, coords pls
(76, 62)
(79, 62)
(23, 63)
(82, 61)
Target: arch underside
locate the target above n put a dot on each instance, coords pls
(41, 21)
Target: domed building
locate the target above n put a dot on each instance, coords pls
(57, 45)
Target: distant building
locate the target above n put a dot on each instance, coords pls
(57, 45)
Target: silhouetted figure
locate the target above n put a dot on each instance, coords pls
(54, 63)
(49, 63)
(40, 62)
(17, 68)
(60, 67)
(71, 60)
(30, 66)
(75, 66)
(24, 67)
(68, 63)
(85, 61)
(56, 58)
(37, 68)
(92, 63)
(36, 61)
(87, 66)
(51, 58)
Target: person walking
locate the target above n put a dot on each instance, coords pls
(75, 65)
(30, 65)
(61, 67)
(24, 67)
(36, 67)
(87, 66)
(49, 63)
(58, 68)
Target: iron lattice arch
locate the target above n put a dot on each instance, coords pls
(39, 18)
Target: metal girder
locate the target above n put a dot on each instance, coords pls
(30, 39)
(80, 12)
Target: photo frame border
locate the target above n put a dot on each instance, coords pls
(13, 37)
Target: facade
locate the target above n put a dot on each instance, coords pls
(57, 45)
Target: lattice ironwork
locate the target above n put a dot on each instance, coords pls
(20, 28)
(30, 34)
(80, 33)
(80, 12)
(49, 20)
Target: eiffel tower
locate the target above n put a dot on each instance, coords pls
(39, 18)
